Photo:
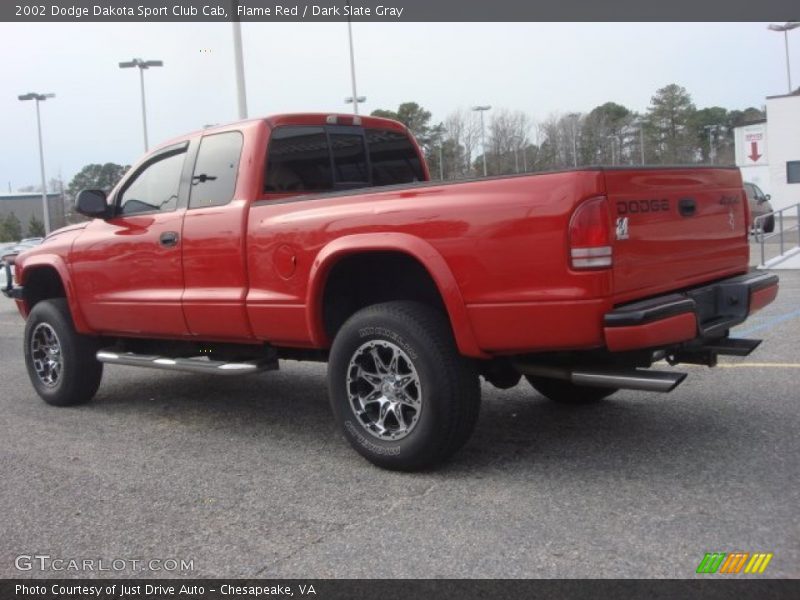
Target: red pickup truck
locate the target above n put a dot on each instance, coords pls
(319, 237)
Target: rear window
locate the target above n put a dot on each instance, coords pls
(317, 159)
(394, 158)
(299, 160)
(350, 157)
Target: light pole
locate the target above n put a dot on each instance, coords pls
(640, 124)
(786, 28)
(238, 61)
(517, 140)
(574, 117)
(481, 110)
(711, 149)
(45, 207)
(438, 136)
(356, 102)
(354, 97)
(142, 64)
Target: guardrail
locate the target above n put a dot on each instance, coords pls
(779, 231)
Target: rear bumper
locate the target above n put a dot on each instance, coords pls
(705, 312)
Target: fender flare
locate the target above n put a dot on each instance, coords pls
(56, 263)
(404, 243)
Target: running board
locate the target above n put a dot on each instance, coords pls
(190, 365)
(627, 379)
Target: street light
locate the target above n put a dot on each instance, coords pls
(481, 110)
(45, 207)
(438, 135)
(238, 63)
(518, 140)
(142, 64)
(354, 98)
(574, 117)
(358, 100)
(786, 28)
(640, 124)
(712, 151)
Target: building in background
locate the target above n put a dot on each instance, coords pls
(27, 204)
(768, 152)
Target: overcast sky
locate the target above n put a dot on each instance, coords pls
(540, 68)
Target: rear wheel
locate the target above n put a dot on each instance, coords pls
(403, 396)
(566, 392)
(61, 363)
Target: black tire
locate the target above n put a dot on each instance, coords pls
(769, 224)
(66, 373)
(565, 392)
(435, 390)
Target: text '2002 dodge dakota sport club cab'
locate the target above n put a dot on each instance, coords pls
(319, 237)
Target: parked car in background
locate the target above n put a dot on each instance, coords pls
(5, 248)
(759, 206)
(14, 248)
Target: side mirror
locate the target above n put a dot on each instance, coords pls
(92, 203)
(767, 198)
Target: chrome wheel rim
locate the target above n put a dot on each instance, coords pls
(46, 355)
(384, 390)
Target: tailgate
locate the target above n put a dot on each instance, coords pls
(676, 227)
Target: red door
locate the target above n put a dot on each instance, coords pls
(215, 271)
(128, 269)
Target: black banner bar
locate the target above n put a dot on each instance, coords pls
(707, 587)
(397, 10)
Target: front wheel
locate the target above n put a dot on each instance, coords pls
(61, 363)
(403, 396)
(566, 392)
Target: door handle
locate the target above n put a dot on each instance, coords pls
(169, 239)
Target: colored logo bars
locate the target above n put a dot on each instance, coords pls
(732, 563)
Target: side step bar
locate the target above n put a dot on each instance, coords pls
(628, 379)
(191, 365)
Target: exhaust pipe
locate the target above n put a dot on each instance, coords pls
(626, 379)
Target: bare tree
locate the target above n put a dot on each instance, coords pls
(508, 132)
(462, 131)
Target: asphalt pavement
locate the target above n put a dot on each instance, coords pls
(250, 477)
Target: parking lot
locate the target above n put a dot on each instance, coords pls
(250, 478)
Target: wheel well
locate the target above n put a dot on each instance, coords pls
(361, 280)
(43, 283)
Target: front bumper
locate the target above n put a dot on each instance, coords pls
(706, 312)
(10, 290)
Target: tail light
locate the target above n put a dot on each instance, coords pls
(590, 236)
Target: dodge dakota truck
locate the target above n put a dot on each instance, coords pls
(320, 237)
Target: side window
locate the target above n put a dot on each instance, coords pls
(350, 158)
(298, 160)
(394, 158)
(751, 193)
(155, 188)
(215, 171)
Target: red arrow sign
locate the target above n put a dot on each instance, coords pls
(754, 155)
